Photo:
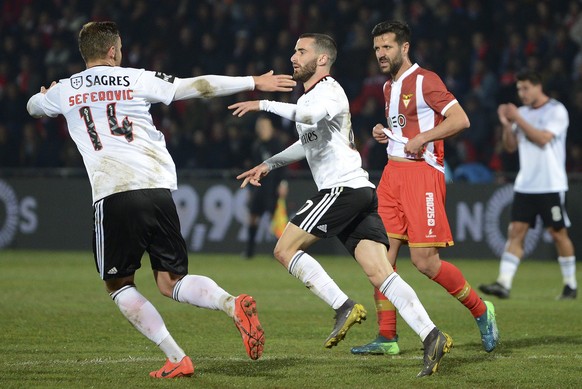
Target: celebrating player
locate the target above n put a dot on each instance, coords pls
(344, 207)
(132, 175)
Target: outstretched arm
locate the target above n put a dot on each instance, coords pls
(212, 86)
(291, 154)
(310, 115)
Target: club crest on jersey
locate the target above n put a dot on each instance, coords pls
(77, 82)
(165, 77)
(406, 99)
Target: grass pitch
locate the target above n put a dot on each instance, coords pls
(60, 329)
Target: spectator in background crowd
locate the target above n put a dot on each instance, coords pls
(194, 38)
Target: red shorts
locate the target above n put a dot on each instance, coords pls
(411, 203)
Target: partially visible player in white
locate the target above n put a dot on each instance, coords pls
(537, 130)
(132, 175)
(346, 204)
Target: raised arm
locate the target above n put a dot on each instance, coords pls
(211, 85)
(288, 111)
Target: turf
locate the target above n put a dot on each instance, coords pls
(59, 329)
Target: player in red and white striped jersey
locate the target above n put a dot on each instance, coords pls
(421, 112)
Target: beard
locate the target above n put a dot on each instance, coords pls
(395, 65)
(305, 72)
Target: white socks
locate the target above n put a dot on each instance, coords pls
(203, 292)
(403, 297)
(146, 319)
(568, 268)
(199, 291)
(507, 269)
(509, 264)
(309, 271)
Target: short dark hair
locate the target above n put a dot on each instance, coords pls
(324, 44)
(529, 75)
(95, 39)
(398, 28)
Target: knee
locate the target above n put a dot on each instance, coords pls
(428, 266)
(168, 292)
(283, 254)
(166, 285)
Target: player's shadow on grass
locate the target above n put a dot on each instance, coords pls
(266, 367)
(507, 345)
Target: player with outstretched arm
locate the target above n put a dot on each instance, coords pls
(346, 204)
(132, 175)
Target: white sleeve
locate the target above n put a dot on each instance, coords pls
(305, 115)
(34, 106)
(45, 104)
(291, 154)
(558, 124)
(211, 86)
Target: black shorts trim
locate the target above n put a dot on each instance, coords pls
(350, 214)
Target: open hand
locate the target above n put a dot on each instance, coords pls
(270, 82)
(244, 106)
(254, 175)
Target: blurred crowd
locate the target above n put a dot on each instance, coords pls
(475, 46)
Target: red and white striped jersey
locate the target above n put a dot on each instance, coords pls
(415, 103)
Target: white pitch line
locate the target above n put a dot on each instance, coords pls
(110, 361)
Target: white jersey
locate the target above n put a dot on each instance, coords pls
(543, 169)
(329, 144)
(107, 113)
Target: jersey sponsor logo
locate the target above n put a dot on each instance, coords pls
(77, 82)
(107, 80)
(430, 234)
(310, 136)
(398, 121)
(430, 212)
(166, 77)
(406, 99)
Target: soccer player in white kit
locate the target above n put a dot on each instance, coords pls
(538, 131)
(346, 204)
(132, 175)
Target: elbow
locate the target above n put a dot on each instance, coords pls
(466, 123)
(31, 111)
(29, 107)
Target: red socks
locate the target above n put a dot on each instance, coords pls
(386, 313)
(451, 278)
